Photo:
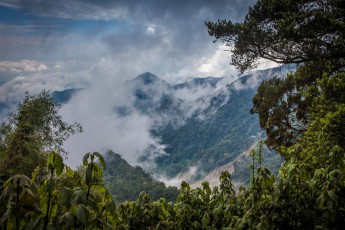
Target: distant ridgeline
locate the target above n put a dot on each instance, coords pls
(61, 97)
(206, 131)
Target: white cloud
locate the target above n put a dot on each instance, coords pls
(103, 129)
(265, 64)
(150, 30)
(176, 181)
(217, 64)
(32, 76)
(22, 66)
(213, 63)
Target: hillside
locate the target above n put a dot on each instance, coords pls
(126, 182)
(218, 137)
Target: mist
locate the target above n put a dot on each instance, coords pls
(96, 109)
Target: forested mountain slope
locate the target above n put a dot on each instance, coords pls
(206, 129)
(219, 137)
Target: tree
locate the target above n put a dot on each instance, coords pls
(284, 105)
(307, 33)
(286, 31)
(303, 113)
(31, 133)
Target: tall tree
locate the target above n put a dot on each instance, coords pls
(31, 132)
(308, 33)
(286, 31)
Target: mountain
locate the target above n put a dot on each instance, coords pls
(204, 123)
(126, 182)
(172, 105)
(199, 83)
(212, 142)
(147, 79)
(61, 97)
(153, 97)
(214, 135)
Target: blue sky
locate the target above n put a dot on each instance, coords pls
(27, 24)
(166, 37)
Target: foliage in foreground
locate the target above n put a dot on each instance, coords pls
(62, 198)
(58, 197)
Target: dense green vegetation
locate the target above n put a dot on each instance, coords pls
(212, 142)
(285, 32)
(58, 197)
(126, 182)
(31, 133)
(65, 199)
(302, 114)
(242, 172)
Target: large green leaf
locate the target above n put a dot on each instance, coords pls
(205, 221)
(66, 197)
(88, 175)
(82, 214)
(50, 185)
(100, 159)
(96, 170)
(55, 162)
(85, 158)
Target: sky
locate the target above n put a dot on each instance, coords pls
(56, 45)
(68, 39)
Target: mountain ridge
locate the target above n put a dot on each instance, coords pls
(206, 131)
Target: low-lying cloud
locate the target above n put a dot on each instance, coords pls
(130, 135)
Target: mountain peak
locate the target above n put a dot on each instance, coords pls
(147, 78)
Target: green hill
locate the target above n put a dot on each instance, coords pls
(126, 182)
